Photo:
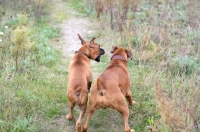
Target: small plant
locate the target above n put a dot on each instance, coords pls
(183, 65)
(21, 43)
(23, 124)
(148, 48)
(20, 39)
(150, 121)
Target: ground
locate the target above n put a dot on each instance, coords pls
(68, 43)
(74, 23)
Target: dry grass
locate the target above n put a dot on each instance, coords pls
(180, 112)
(167, 110)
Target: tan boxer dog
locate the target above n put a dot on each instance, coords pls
(80, 77)
(112, 87)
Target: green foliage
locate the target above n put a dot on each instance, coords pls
(44, 53)
(82, 7)
(20, 39)
(35, 8)
(171, 29)
(29, 96)
(183, 65)
(36, 93)
(36, 96)
(141, 78)
(23, 125)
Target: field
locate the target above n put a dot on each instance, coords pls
(37, 40)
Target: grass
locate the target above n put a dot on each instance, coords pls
(175, 64)
(34, 98)
(34, 93)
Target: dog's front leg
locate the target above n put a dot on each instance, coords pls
(129, 98)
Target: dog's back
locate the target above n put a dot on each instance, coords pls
(78, 78)
(116, 74)
(112, 87)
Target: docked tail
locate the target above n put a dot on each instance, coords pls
(101, 87)
(81, 96)
(77, 95)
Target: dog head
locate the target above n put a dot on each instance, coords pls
(91, 49)
(121, 53)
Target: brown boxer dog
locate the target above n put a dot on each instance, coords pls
(80, 77)
(111, 87)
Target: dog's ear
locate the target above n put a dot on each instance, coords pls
(129, 53)
(82, 40)
(113, 49)
(92, 41)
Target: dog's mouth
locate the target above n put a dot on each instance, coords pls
(98, 58)
(102, 52)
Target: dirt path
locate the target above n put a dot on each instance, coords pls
(68, 43)
(70, 28)
(73, 25)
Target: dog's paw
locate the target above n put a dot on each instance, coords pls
(69, 117)
(84, 129)
(133, 102)
(130, 130)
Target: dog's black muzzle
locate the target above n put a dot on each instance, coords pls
(102, 52)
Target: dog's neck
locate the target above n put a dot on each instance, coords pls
(118, 57)
(80, 52)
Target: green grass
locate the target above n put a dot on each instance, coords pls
(34, 93)
(34, 97)
(174, 66)
(82, 8)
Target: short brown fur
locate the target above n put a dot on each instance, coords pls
(111, 87)
(80, 77)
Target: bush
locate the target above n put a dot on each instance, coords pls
(183, 65)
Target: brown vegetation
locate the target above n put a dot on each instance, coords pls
(180, 114)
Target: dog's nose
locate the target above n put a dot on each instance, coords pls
(102, 51)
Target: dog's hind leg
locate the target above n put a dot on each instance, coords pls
(125, 113)
(122, 107)
(82, 109)
(89, 115)
(90, 112)
(71, 107)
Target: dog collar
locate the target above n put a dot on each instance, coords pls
(80, 52)
(118, 57)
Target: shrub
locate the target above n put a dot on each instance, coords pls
(21, 43)
(183, 65)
